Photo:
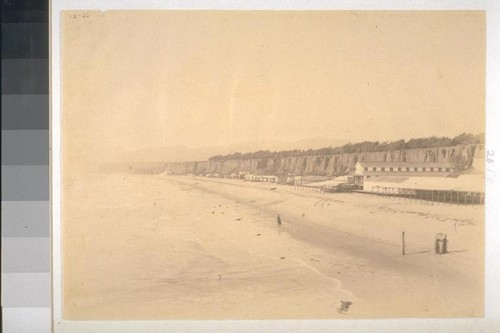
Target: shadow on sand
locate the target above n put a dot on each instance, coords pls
(419, 252)
(457, 251)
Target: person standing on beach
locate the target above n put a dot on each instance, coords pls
(444, 247)
(278, 220)
(437, 244)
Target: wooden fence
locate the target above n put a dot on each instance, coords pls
(450, 197)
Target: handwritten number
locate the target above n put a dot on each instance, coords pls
(490, 173)
(79, 16)
(489, 156)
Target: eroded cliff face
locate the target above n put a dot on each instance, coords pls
(332, 165)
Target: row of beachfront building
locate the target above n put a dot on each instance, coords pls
(432, 181)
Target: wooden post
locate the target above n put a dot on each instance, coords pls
(403, 243)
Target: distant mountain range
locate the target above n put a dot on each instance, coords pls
(183, 154)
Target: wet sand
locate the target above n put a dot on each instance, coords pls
(173, 247)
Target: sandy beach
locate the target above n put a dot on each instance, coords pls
(178, 247)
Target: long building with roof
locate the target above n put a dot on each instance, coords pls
(369, 169)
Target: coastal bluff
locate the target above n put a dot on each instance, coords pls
(462, 157)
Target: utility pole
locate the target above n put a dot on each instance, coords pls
(403, 243)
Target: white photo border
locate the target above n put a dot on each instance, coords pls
(491, 320)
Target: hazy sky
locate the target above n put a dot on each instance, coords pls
(135, 79)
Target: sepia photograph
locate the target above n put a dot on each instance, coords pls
(272, 164)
